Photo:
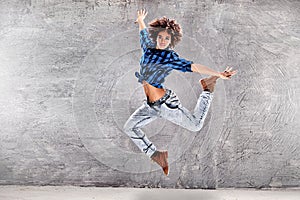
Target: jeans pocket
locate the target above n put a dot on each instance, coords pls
(173, 102)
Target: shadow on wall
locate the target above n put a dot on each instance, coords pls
(179, 194)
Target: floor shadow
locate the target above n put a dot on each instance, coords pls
(172, 194)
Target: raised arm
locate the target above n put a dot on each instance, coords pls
(206, 70)
(140, 19)
(145, 41)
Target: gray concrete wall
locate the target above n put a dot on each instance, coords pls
(68, 86)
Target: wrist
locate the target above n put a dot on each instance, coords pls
(139, 20)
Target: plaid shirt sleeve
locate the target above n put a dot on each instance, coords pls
(145, 41)
(181, 64)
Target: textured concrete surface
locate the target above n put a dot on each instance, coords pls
(93, 193)
(68, 86)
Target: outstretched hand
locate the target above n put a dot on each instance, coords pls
(228, 73)
(141, 15)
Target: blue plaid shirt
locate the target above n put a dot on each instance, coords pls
(156, 64)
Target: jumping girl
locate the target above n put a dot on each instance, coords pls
(157, 62)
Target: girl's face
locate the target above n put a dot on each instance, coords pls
(163, 40)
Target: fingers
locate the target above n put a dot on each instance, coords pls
(234, 72)
(228, 69)
(142, 12)
(225, 75)
(228, 73)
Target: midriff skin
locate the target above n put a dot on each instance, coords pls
(152, 93)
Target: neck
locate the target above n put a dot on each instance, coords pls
(168, 48)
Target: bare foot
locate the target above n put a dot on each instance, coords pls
(161, 158)
(208, 84)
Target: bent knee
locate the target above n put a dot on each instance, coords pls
(128, 127)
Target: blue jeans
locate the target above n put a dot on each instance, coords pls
(170, 108)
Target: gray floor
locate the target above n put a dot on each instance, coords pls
(97, 193)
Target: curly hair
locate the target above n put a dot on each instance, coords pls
(166, 24)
